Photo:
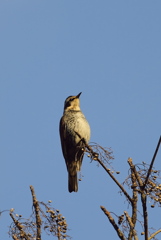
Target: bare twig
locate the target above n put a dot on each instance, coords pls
(152, 162)
(37, 213)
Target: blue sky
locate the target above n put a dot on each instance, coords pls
(111, 52)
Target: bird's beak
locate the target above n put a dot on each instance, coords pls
(78, 95)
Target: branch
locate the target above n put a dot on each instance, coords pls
(132, 226)
(112, 221)
(95, 157)
(37, 213)
(20, 228)
(134, 199)
(152, 162)
(143, 197)
(145, 213)
(154, 234)
(134, 203)
(115, 180)
(137, 176)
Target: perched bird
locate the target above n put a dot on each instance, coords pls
(73, 128)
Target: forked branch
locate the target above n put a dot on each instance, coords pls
(112, 221)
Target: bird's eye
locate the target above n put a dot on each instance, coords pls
(71, 99)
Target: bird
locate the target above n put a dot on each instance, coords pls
(74, 132)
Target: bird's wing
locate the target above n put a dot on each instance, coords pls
(67, 146)
(63, 135)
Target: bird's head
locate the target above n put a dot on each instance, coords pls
(72, 103)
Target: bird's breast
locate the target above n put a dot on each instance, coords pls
(77, 123)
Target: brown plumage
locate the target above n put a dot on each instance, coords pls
(73, 127)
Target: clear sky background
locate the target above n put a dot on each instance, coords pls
(111, 52)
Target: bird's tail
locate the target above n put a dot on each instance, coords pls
(72, 183)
